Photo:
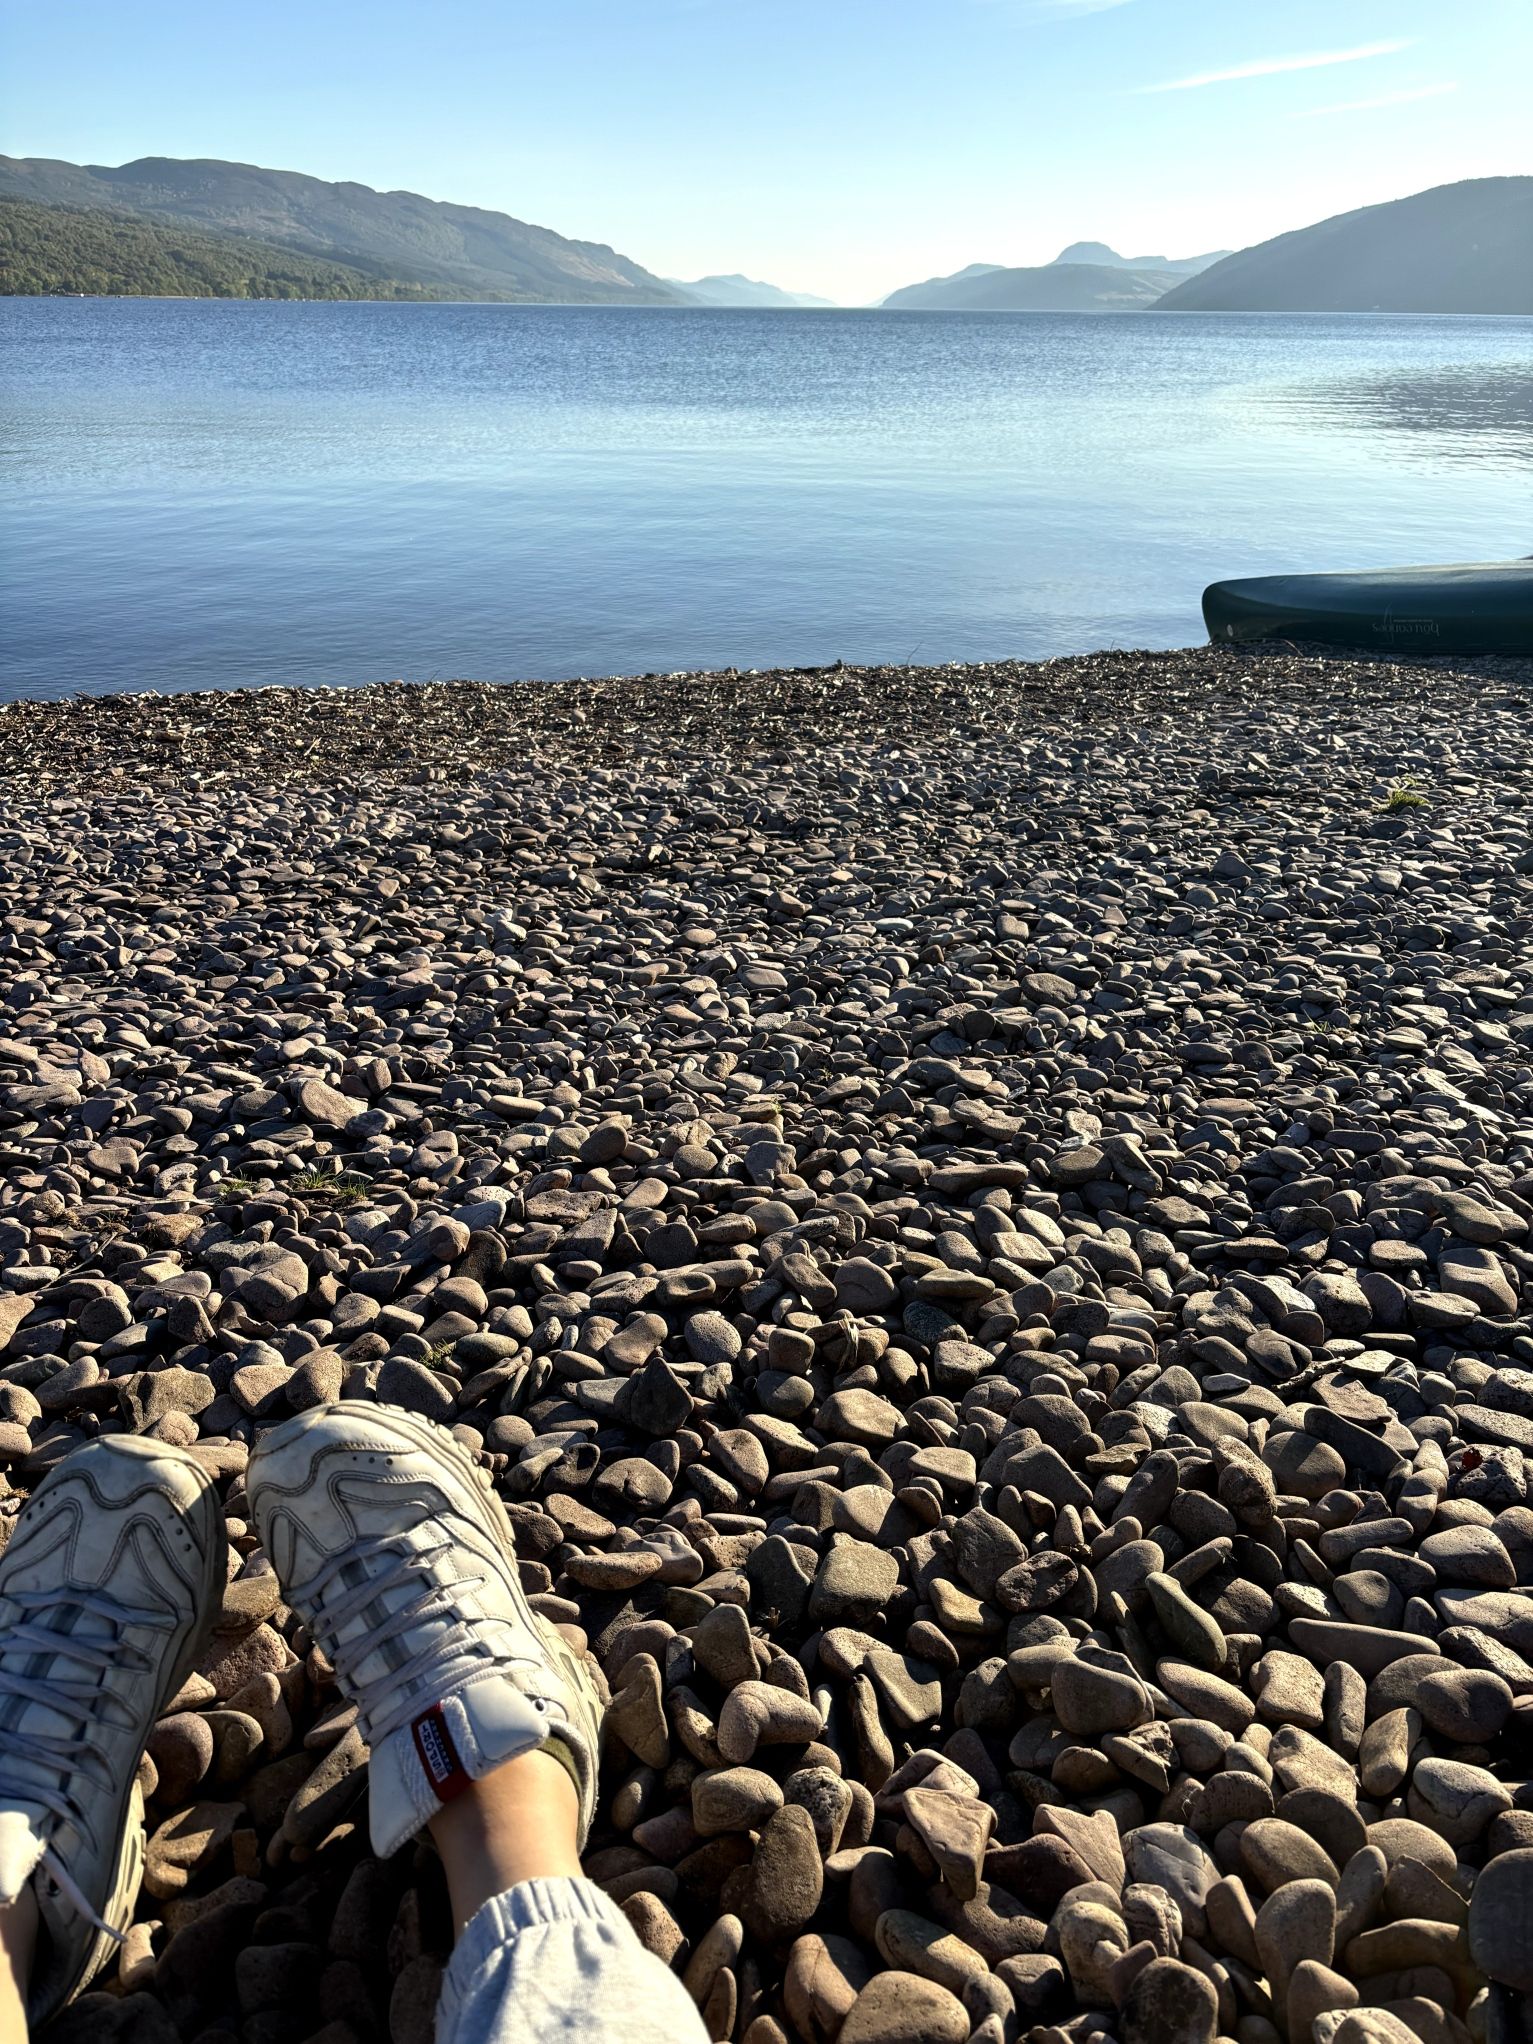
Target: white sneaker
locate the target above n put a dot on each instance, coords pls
(392, 1545)
(107, 1588)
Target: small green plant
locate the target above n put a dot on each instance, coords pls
(331, 1185)
(1406, 794)
(438, 1355)
(236, 1188)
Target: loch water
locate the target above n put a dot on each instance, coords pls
(223, 494)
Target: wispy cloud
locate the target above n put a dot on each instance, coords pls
(1269, 67)
(1366, 106)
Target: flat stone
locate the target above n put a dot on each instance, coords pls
(898, 2007)
(1089, 1699)
(853, 1583)
(1501, 1920)
(786, 1878)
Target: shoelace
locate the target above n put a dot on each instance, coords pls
(451, 1652)
(84, 1701)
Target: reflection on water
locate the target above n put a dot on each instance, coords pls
(1460, 414)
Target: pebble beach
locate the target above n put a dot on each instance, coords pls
(981, 1221)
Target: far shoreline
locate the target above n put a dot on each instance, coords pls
(1092, 312)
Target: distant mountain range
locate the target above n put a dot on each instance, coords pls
(1088, 276)
(1464, 247)
(397, 238)
(1099, 253)
(205, 228)
(738, 290)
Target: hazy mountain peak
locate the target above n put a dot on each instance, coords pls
(1090, 252)
(735, 289)
(1099, 254)
(1053, 287)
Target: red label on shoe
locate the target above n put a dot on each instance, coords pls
(439, 1756)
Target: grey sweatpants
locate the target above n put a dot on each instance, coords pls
(557, 1962)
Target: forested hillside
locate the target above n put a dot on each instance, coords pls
(70, 250)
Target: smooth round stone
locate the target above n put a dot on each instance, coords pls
(860, 1416)
(733, 1799)
(1296, 1922)
(901, 2008)
(1455, 1799)
(1315, 1990)
(1403, 1838)
(1415, 1891)
(1373, 2026)
(1329, 1819)
(1169, 2003)
(823, 1979)
(1384, 1754)
(1206, 1695)
(1185, 1623)
(1467, 1705)
(1301, 1761)
(917, 1945)
(786, 1877)
(1397, 1684)
(1369, 1598)
(1473, 1556)
(1368, 1648)
(1274, 1852)
(181, 1747)
(1302, 1466)
(1035, 1980)
(1089, 1700)
(1200, 1744)
(1501, 1920)
(853, 1583)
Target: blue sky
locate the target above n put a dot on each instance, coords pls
(836, 146)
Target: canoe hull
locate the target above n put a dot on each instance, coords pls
(1485, 608)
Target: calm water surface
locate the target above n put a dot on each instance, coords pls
(215, 494)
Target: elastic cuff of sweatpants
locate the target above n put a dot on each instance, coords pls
(494, 1925)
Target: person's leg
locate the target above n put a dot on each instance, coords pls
(483, 1722)
(107, 1585)
(542, 1954)
(18, 1944)
(521, 1823)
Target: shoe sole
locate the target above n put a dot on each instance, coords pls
(128, 1876)
(439, 1446)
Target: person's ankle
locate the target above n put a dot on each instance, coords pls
(18, 1942)
(520, 1823)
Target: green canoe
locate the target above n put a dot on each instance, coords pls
(1487, 608)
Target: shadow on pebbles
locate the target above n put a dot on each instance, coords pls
(980, 1221)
